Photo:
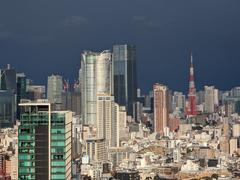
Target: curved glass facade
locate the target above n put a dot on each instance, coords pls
(96, 78)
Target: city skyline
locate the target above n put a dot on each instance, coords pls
(163, 37)
(123, 90)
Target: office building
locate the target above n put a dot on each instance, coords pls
(160, 93)
(125, 76)
(95, 78)
(21, 90)
(209, 99)
(54, 90)
(137, 111)
(8, 79)
(107, 120)
(7, 108)
(8, 90)
(71, 101)
(88, 87)
(44, 139)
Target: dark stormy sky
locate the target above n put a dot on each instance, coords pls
(47, 36)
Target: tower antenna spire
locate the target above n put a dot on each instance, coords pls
(191, 57)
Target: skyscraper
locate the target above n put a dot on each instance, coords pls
(191, 108)
(125, 76)
(44, 142)
(107, 120)
(55, 89)
(71, 101)
(8, 79)
(8, 88)
(160, 94)
(21, 90)
(209, 97)
(96, 78)
(7, 109)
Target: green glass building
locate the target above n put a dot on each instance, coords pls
(44, 142)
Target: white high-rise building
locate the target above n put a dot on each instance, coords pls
(96, 79)
(54, 89)
(104, 76)
(108, 120)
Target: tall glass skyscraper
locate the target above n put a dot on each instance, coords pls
(44, 139)
(7, 109)
(125, 76)
(21, 90)
(96, 79)
(8, 79)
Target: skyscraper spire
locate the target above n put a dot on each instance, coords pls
(191, 109)
(191, 58)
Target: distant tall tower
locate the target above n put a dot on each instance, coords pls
(96, 79)
(8, 79)
(191, 109)
(125, 76)
(54, 90)
(160, 94)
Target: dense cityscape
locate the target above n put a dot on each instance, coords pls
(103, 127)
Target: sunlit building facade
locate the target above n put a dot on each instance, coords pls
(96, 78)
(44, 137)
(161, 116)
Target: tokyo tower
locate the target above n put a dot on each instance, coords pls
(191, 109)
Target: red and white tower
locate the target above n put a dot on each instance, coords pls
(191, 109)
